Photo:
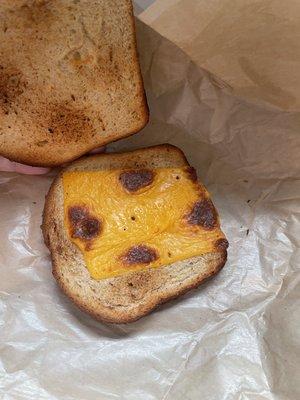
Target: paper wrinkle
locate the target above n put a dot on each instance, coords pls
(237, 337)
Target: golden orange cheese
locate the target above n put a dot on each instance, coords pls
(132, 220)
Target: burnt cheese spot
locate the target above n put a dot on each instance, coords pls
(140, 254)
(83, 225)
(77, 213)
(222, 244)
(203, 214)
(87, 229)
(192, 174)
(134, 180)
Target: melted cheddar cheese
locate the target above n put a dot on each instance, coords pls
(132, 220)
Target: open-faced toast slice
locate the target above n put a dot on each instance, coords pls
(142, 187)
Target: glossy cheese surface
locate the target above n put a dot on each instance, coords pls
(130, 220)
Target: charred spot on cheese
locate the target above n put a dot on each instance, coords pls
(134, 180)
(140, 254)
(192, 174)
(222, 244)
(83, 225)
(203, 214)
(77, 213)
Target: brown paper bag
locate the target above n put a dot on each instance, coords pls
(253, 46)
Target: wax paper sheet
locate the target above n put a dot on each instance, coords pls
(237, 337)
(252, 46)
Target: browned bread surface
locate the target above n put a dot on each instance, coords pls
(69, 78)
(128, 297)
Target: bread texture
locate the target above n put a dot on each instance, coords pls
(128, 297)
(70, 79)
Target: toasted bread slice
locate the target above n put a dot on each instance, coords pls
(70, 79)
(129, 296)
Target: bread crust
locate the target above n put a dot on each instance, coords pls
(128, 297)
(70, 79)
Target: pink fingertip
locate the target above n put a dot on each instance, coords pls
(28, 170)
(10, 166)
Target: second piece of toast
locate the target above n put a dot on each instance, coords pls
(70, 79)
